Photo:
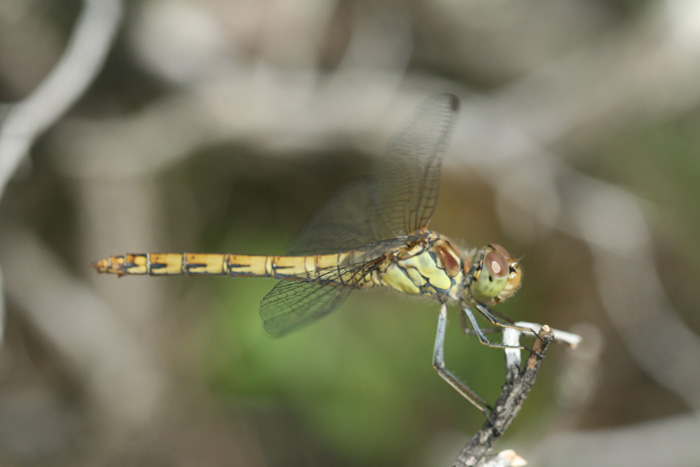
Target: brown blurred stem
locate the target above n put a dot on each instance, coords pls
(515, 390)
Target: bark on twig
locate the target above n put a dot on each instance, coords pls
(515, 390)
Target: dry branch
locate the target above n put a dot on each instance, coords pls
(519, 382)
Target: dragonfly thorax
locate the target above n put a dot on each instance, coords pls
(428, 266)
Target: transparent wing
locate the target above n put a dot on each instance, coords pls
(292, 304)
(408, 176)
(347, 221)
(373, 214)
(397, 199)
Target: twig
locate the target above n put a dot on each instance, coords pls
(515, 390)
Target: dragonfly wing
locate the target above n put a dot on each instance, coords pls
(372, 215)
(292, 304)
(347, 221)
(407, 177)
(397, 199)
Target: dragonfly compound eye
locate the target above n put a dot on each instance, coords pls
(496, 264)
(498, 277)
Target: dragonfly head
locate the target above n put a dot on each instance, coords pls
(496, 276)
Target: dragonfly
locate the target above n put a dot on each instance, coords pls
(371, 233)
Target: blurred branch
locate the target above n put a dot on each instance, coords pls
(2, 310)
(245, 103)
(120, 373)
(625, 77)
(642, 444)
(83, 58)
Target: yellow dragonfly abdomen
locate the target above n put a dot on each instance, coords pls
(168, 264)
(416, 269)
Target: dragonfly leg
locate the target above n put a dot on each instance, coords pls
(467, 331)
(500, 315)
(480, 334)
(488, 314)
(439, 365)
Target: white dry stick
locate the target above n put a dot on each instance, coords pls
(512, 337)
(562, 337)
(85, 53)
(506, 458)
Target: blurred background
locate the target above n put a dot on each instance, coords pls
(219, 126)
